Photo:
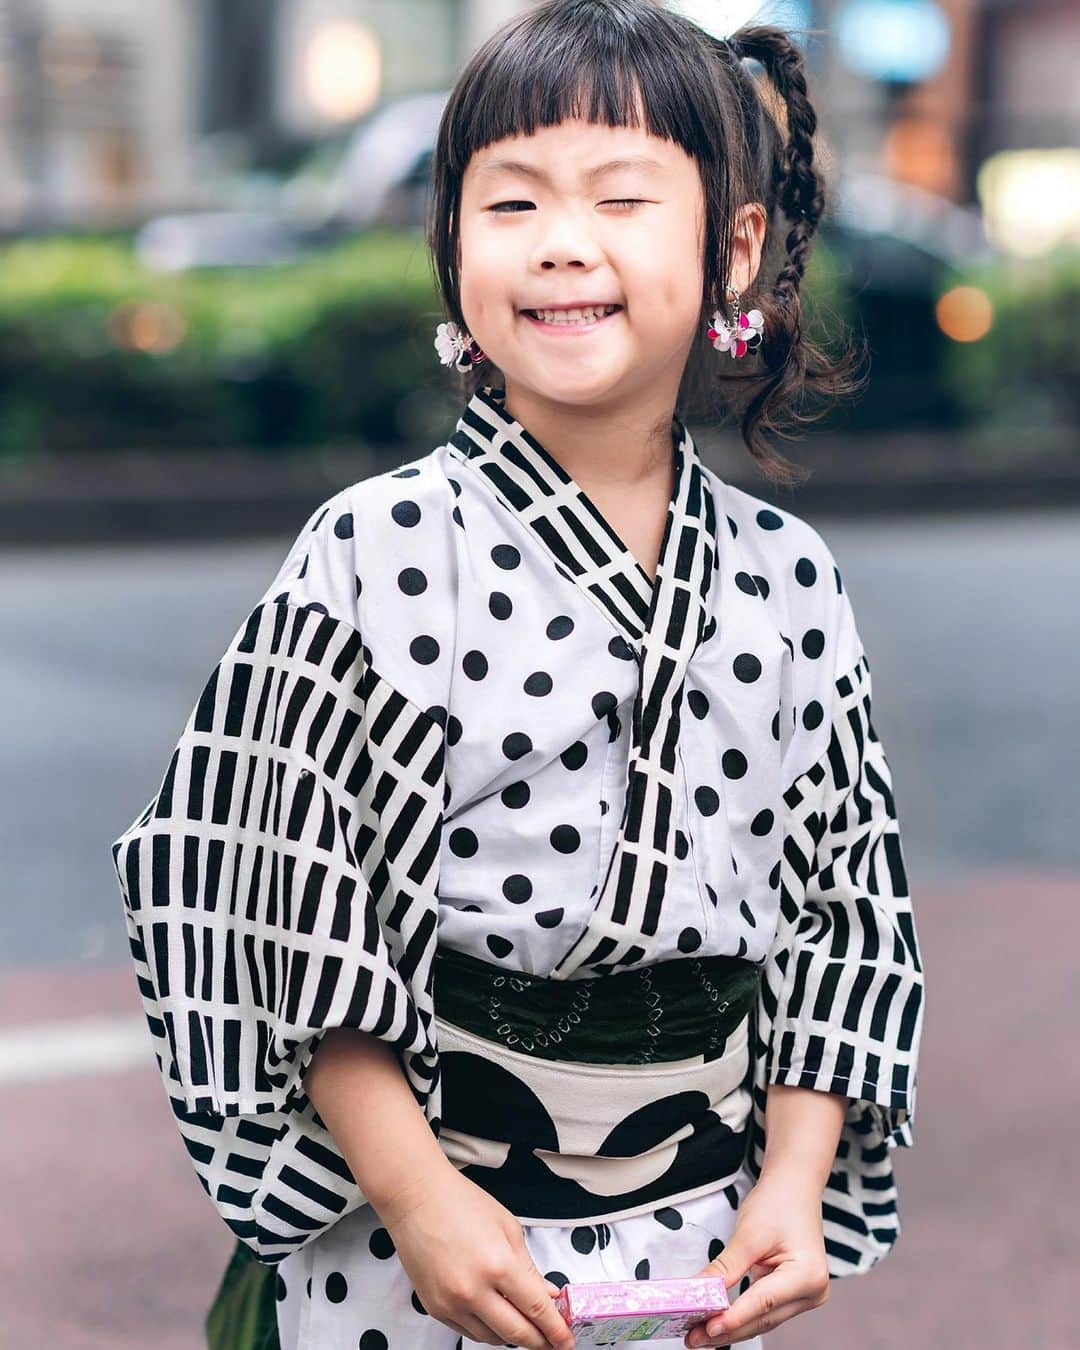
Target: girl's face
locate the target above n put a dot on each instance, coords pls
(549, 220)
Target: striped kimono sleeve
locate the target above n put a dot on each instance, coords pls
(281, 883)
(841, 999)
(850, 1007)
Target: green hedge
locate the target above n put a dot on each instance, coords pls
(327, 348)
(337, 347)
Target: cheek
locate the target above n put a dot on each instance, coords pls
(486, 272)
(669, 277)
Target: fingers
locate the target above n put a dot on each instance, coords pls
(526, 1295)
(767, 1304)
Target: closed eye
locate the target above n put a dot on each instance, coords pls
(618, 201)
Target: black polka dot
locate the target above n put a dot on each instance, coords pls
(343, 526)
(682, 844)
(308, 1287)
(463, 842)
(707, 800)
(733, 762)
(424, 649)
(500, 605)
(279, 1287)
(733, 528)
(574, 756)
(505, 556)
(515, 795)
(565, 839)
(768, 520)
(745, 583)
(620, 648)
(774, 725)
(774, 877)
(813, 642)
(812, 715)
(538, 684)
(406, 513)
(557, 1277)
(562, 625)
(746, 667)
(414, 1299)
(641, 1270)
(604, 703)
(517, 888)
(712, 895)
(805, 572)
(669, 1216)
(475, 665)
(762, 585)
(747, 913)
(337, 1287)
(373, 1339)
(411, 581)
(698, 704)
(689, 940)
(381, 1244)
(549, 918)
(516, 744)
(453, 730)
(498, 945)
(762, 822)
(583, 1239)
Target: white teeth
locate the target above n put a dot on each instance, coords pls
(575, 315)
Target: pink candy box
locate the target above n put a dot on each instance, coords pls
(601, 1313)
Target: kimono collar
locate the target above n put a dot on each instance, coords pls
(663, 622)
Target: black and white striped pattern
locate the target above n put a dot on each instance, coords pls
(532, 483)
(280, 883)
(840, 1005)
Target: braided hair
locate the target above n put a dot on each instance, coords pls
(792, 370)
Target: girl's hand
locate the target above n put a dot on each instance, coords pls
(469, 1263)
(778, 1238)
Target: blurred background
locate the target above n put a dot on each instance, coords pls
(216, 309)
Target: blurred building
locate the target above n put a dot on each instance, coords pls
(111, 110)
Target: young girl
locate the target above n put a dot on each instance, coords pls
(539, 793)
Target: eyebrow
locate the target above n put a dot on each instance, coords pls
(492, 167)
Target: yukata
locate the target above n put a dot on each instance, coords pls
(464, 744)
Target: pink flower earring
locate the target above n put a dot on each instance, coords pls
(456, 348)
(742, 335)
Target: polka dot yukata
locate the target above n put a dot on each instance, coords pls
(463, 717)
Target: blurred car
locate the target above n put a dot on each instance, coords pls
(376, 173)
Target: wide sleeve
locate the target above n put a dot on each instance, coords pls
(840, 1004)
(282, 882)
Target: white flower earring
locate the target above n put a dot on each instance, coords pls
(456, 348)
(740, 336)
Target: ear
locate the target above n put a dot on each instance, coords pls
(748, 236)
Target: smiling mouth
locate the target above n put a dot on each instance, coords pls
(571, 325)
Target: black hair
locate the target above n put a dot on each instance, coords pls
(595, 59)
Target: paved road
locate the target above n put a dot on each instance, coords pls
(972, 630)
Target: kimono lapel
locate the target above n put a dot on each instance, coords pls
(663, 622)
